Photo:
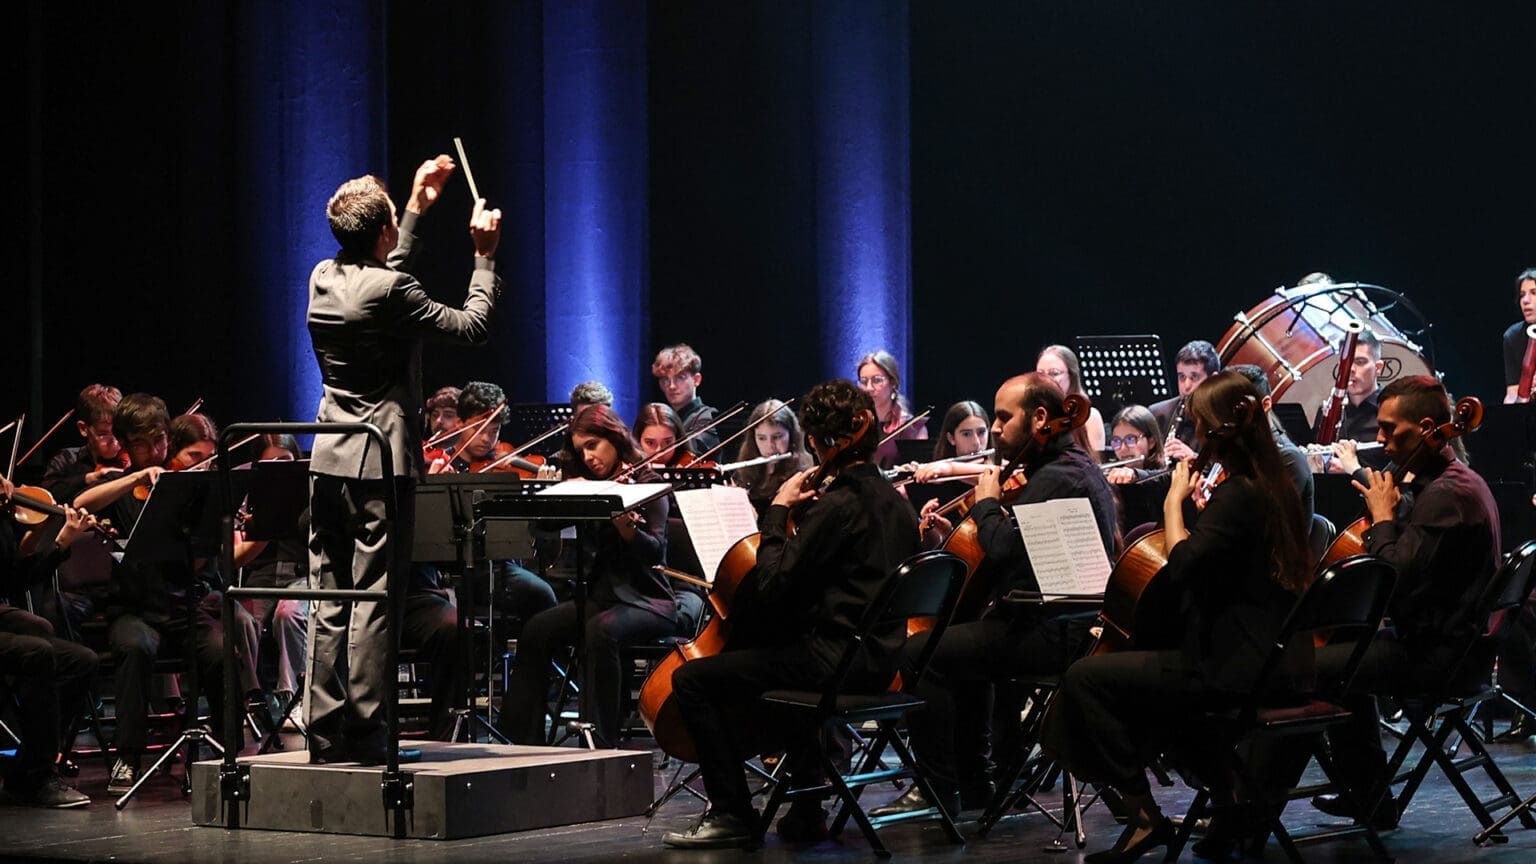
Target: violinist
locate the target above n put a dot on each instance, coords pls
(1060, 364)
(678, 370)
(627, 602)
(880, 377)
(814, 586)
(1195, 362)
(152, 602)
(74, 468)
(50, 674)
(1439, 528)
(443, 417)
(1518, 345)
(951, 736)
(1134, 434)
(656, 429)
(775, 430)
(476, 401)
(367, 318)
(1239, 568)
(193, 440)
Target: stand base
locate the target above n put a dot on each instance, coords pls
(460, 790)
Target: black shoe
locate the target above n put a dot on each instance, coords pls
(717, 831)
(977, 796)
(54, 793)
(1384, 819)
(805, 822)
(1523, 729)
(1160, 835)
(916, 802)
(1232, 831)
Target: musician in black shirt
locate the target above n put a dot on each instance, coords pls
(1516, 340)
(814, 587)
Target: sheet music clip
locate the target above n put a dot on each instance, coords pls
(178, 522)
(1122, 370)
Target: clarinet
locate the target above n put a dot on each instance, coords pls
(1173, 427)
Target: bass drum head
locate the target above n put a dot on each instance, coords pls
(1398, 359)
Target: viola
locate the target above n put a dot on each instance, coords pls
(658, 707)
(964, 540)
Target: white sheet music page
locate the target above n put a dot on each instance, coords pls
(631, 494)
(716, 517)
(1062, 539)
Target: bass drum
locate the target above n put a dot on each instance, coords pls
(1294, 336)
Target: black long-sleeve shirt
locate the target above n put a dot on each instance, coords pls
(849, 542)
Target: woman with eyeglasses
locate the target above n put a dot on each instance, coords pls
(878, 376)
(1134, 433)
(1059, 363)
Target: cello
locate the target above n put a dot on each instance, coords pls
(657, 707)
(1466, 417)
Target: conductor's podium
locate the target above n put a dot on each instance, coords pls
(457, 790)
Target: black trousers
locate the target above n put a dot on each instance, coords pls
(431, 627)
(1517, 657)
(50, 678)
(349, 548)
(950, 735)
(601, 678)
(135, 641)
(719, 701)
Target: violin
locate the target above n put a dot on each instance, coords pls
(503, 459)
(964, 540)
(33, 506)
(657, 705)
(1466, 417)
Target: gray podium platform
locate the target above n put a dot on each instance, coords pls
(460, 790)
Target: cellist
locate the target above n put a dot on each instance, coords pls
(816, 584)
(950, 734)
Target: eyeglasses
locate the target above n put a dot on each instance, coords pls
(1127, 441)
(874, 381)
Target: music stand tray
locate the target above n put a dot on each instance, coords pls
(1122, 370)
(177, 522)
(445, 513)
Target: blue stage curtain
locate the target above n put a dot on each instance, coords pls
(595, 189)
(860, 96)
(311, 114)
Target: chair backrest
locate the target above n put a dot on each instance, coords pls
(1513, 584)
(927, 585)
(1347, 597)
(1320, 535)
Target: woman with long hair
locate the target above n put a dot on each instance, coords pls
(657, 428)
(775, 430)
(626, 601)
(1239, 570)
(1059, 363)
(1134, 434)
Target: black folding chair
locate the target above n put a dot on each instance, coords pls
(1441, 720)
(925, 586)
(1347, 598)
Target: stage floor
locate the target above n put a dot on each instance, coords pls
(157, 827)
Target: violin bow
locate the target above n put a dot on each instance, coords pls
(664, 452)
(16, 443)
(52, 429)
(907, 425)
(745, 429)
(471, 429)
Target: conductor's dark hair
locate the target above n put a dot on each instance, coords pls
(357, 213)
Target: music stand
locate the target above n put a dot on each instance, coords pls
(688, 477)
(1122, 370)
(278, 493)
(529, 420)
(578, 504)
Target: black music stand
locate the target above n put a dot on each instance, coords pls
(579, 508)
(688, 477)
(176, 526)
(1122, 370)
(447, 533)
(531, 419)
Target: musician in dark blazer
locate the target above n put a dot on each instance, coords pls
(1236, 573)
(367, 320)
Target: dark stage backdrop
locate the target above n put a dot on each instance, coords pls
(781, 183)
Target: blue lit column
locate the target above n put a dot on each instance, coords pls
(312, 114)
(863, 218)
(595, 213)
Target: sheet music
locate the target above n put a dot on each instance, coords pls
(631, 494)
(1064, 546)
(717, 517)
